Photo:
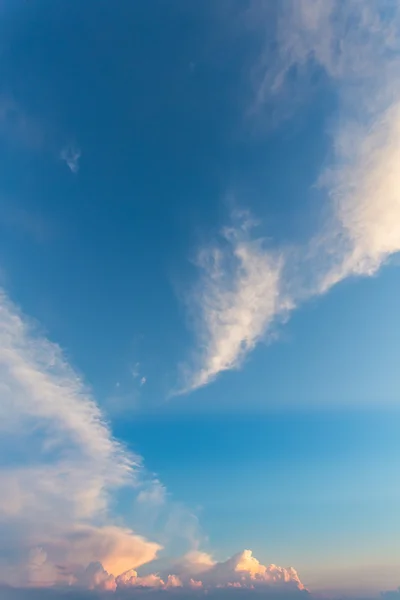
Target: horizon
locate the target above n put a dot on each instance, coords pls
(199, 282)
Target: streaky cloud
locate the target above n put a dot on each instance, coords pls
(364, 187)
(71, 155)
(64, 466)
(235, 302)
(244, 287)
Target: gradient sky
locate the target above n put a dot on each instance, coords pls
(199, 330)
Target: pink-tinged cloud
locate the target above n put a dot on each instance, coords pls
(241, 571)
(56, 515)
(244, 570)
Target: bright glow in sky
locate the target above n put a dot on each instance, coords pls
(199, 283)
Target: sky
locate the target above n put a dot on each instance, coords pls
(199, 283)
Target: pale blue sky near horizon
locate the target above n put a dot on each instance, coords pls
(127, 140)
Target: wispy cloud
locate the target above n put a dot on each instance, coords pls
(137, 374)
(63, 464)
(135, 370)
(243, 285)
(364, 188)
(71, 155)
(236, 300)
(154, 493)
(198, 571)
(357, 45)
(63, 472)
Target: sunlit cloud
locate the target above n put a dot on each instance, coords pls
(64, 465)
(244, 286)
(242, 571)
(235, 302)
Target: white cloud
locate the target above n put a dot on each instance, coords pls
(154, 493)
(243, 286)
(244, 570)
(236, 301)
(63, 464)
(136, 374)
(364, 186)
(355, 43)
(240, 570)
(194, 562)
(71, 155)
(358, 46)
(198, 572)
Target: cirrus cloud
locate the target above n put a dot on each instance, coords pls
(245, 286)
(63, 466)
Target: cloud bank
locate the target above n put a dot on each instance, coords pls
(198, 573)
(245, 287)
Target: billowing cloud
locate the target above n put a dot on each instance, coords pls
(241, 570)
(197, 573)
(245, 286)
(95, 577)
(63, 466)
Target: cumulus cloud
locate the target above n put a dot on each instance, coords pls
(198, 574)
(244, 570)
(193, 563)
(95, 577)
(63, 466)
(245, 286)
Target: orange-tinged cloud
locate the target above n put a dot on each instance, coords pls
(120, 549)
(198, 570)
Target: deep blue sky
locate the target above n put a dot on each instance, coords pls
(294, 454)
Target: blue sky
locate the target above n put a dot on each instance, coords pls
(199, 213)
